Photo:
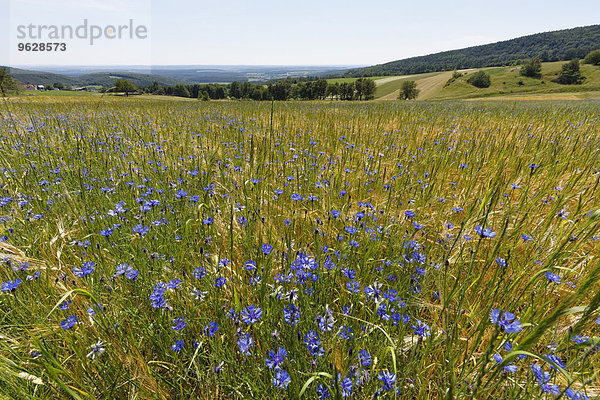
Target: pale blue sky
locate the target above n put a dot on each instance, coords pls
(325, 32)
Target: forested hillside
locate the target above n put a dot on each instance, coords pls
(549, 46)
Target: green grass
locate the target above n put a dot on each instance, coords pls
(173, 188)
(505, 81)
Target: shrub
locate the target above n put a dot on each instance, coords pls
(532, 69)
(593, 58)
(480, 79)
(570, 73)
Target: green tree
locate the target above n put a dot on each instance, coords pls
(480, 79)
(593, 58)
(532, 68)
(180, 90)
(408, 90)
(570, 73)
(59, 85)
(235, 90)
(124, 86)
(280, 90)
(8, 84)
(333, 90)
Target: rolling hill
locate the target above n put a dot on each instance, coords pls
(549, 46)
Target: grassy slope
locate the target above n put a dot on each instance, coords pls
(505, 81)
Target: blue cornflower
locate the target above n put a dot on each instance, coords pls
(11, 286)
(417, 226)
(141, 229)
(346, 333)
(323, 392)
(291, 314)
(208, 221)
(554, 360)
(373, 292)
(281, 379)
(212, 328)
(251, 314)
(174, 283)
(351, 229)
(266, 249)
(505, 320)
(335, 213)
(525, 237)
(364, 358)
(180, 194)
(177, 346)
(65, 305)
(326, 321)
(312, 341)
(388, 380)
(275, 360)
(179, 324)
(346, 385)
(69, 322)
(86, 269)
(421, 328)
(250, 265)
(508, 367)
(106, 232)
(575, 395)
(485, 233)
(353, 286)
(244, 342)
(220, 281)
(552, 277)
(409, 214)
(296, 197)
(501, 262)
(21, 266)
(199, 273)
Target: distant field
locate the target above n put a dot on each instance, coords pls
(344, 80)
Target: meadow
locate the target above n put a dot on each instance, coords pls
(163, 250)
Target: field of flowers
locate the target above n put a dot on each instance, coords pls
(162, 250)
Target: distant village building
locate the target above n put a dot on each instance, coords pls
(30, 87)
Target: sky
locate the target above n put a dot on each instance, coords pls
(268, 32)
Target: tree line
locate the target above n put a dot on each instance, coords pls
(285, 89)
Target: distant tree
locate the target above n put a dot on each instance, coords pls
(124, 86)
(347, 91)
(593, 57)
(365, 88)
(320, 89)
(570, 73)
(59, 85)
(203, 95)
(180, 90)
(280, 90)
(408, 90)
(235, 90)
(333, 90)
(8, 84)
(480, 79)
(154, 88)
(532, 68)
